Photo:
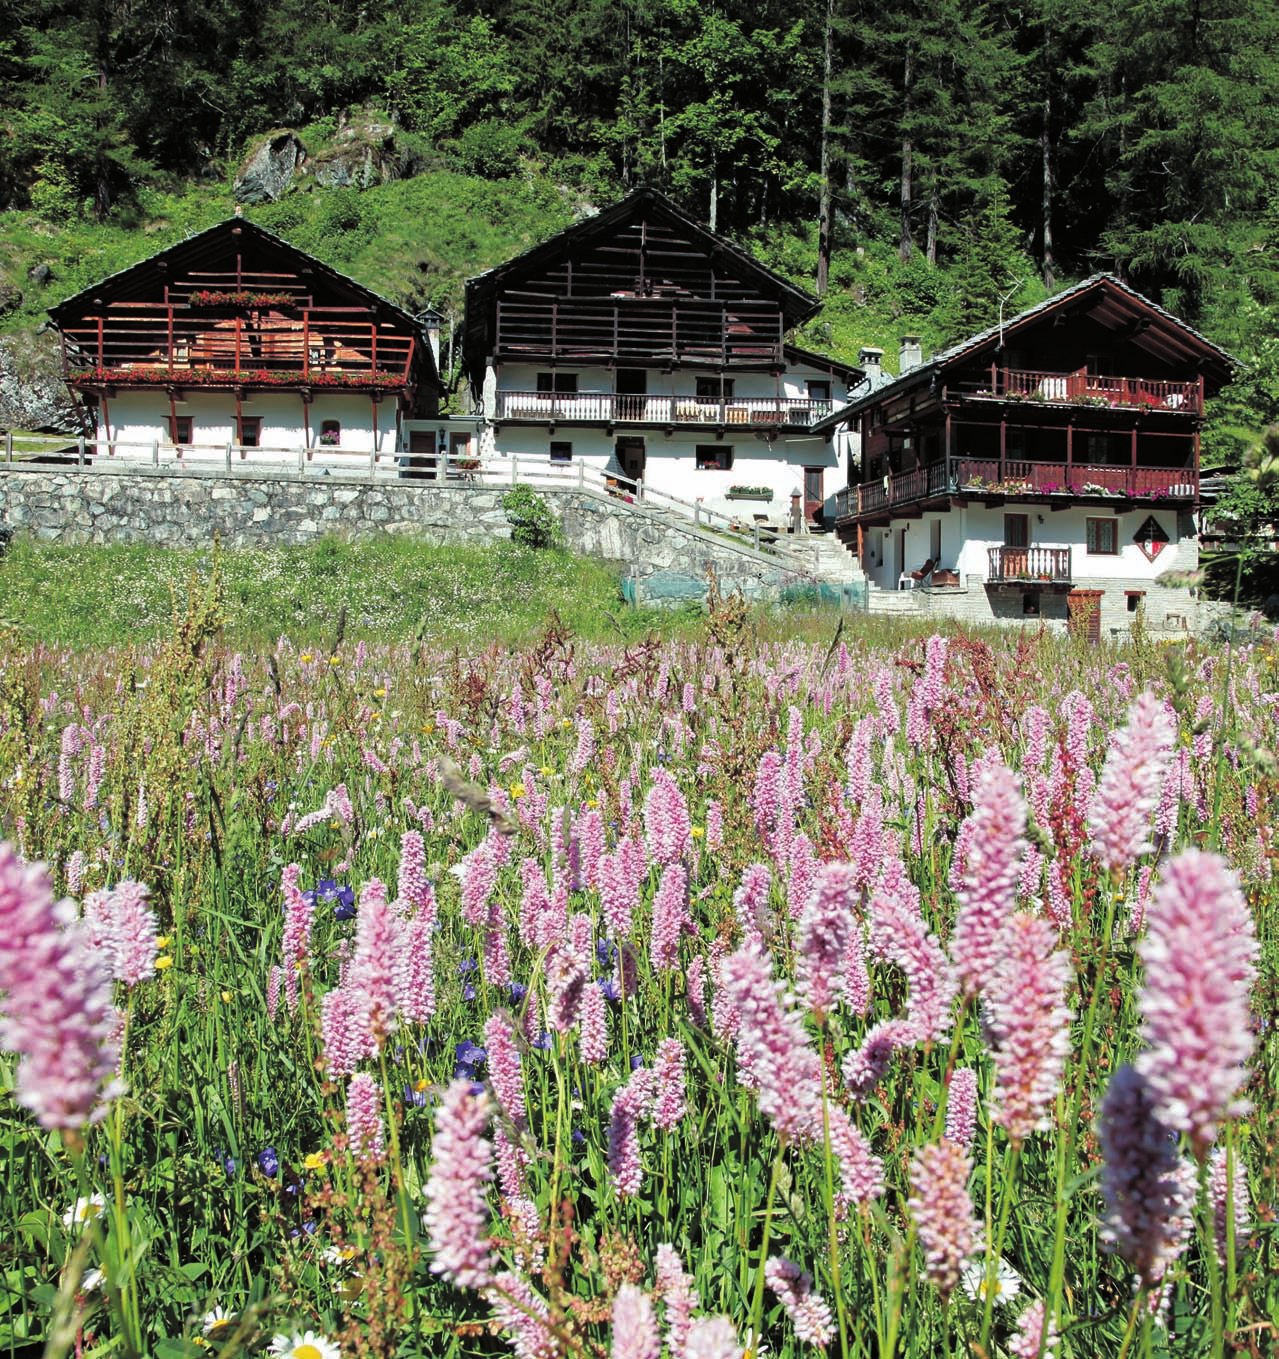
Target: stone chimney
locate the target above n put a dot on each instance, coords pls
(912, 355)
(871, 360)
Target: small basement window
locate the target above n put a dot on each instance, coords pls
(561, 451)
(1103, 537)
(331, 433)
(1030, 605)
(250, 431)
(182, 429)
(714, 457)
(1135, 598)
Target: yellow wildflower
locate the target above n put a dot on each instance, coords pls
(164, 941)
(315, 1160)
(546, 771)
(163, 961)
(518, 790)
(592, 805)
(306, 658)
(567, 722)
(335, 660)
(379, 693)
(226, 997)
(697, 832)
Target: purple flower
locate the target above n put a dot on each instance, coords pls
(961, 1107)
(1227, 1206)
(861, 1172)
(469, 1058)
(629, 1105)
(505, 1072)
(634, 1325)
(670, 1104)
(269, 1162)
(824, 928)
(1147, 1188)
(456, 1208)
(679, 1295)
(1198, 955)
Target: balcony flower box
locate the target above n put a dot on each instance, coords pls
(749, 493)
(208, 297)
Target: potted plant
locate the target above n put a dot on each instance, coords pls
(749, 493)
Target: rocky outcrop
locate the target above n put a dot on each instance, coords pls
(269, 171)
(32, 393)
(363, 153)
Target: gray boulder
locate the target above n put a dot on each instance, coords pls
(40, 273)
(269, 171)
(32, 393)
(363, 153)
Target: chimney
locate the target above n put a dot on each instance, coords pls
(912, 355)
(871, 360)
(430, 320)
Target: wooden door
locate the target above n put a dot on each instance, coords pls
(1083, 613)
(421, 461)
(631, 458)
(813, 497)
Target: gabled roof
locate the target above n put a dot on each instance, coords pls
(849, 372)
(1107, 299)
(796, 304)
(196, 249)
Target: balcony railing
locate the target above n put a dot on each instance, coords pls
(1042, 565)
(658, 409)
(1089, 389)
(976, 477)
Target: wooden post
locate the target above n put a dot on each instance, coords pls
(373, 353)
(100, 359)
(515, 468)
(155, 453)
(1003, 448)
(237, 345)
(581, 476)
(8, 446)
(1132, 483)
(166, 289)
(306, 344)
(1070, 448)
(947, 451)
(755, 535)
(80, 451)
(228, 459)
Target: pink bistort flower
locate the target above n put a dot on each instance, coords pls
(666, 823)
(943, 1212)
(1136, 767)
(712, 1338)
(1229, 1205)
(679, 1295)
(961, 1107)
(1027, 1024)
(824, 927)
(669, 1096)
(1036, 1334)
(55, 994)
(634, 1325)
(989, 893)
(456, 1207)
(1198, 954)
(669, 911)
(364, 1118)
(807, 1309)
(373, 969)
(629, 1105)
(775, 1046)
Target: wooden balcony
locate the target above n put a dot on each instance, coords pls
(1086, 389)
(1026, 566)
(639, 331)
(154, 345)
(1017, 480)
(663, 409)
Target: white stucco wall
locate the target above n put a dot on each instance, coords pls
(140, 419)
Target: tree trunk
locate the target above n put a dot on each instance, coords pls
(934, 213)
(1050, 277)
(906, 246)
(824, 202)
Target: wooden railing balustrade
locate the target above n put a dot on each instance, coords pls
(1088, 389)
(1048, 565)
(658, 409)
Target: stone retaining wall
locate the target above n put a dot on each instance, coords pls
(664, 559)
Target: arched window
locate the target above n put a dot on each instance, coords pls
(331, 433)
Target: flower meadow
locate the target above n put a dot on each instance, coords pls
(701, 997)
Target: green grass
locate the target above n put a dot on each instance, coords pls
(390, 588)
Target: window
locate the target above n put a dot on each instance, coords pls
(250, 431)
(557, 382)
(1103, 537)
(818, 391)
(714, 389)
(632, 382)
(182, 429)
(561, 451)
(1135, 598)
(1016, 530)
(331, 433)
(714, 457)
(1030, 606)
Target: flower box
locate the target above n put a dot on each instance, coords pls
(210, 297)
(749, 493)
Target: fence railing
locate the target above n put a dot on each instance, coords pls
(1089, 389)
(41, 453)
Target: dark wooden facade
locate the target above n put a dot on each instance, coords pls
(237, 309)
(640, 286)
(1094, 394)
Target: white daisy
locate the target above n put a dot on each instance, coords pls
(1002, 1289)
(338, 1255)
(218, 1324)
(83, 1211)
(90, 1281)
(308, 1346)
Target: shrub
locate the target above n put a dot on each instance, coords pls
(532, 523)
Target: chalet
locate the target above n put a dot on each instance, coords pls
(650, 349)
(234, 342)
(1044, 468)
